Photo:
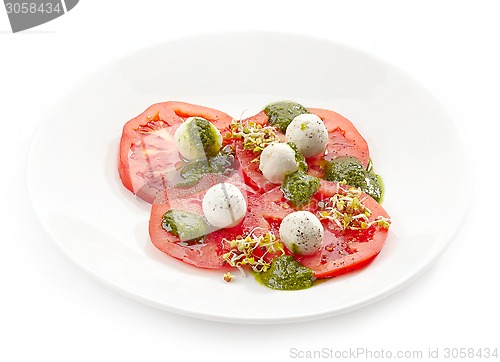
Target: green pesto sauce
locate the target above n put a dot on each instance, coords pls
(299, 187)
(286, 273)
(203, 136)
(299, 157)
(350, 170)
(193, 171)
(294, 249)
(282, 113)
(187, 226)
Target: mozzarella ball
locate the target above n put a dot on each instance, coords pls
(197, 138)
(309, 133)
(224, 205)
(276, 161)
(302, 233)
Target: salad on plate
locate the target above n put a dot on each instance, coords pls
(289, 194)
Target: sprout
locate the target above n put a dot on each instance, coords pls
(255, 136)
(346, 209)
(228, 277)
(242, 251)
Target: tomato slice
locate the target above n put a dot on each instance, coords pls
(205, 254)
(267, 211)
(344, 140)
(259, 118)
(253, 176)
(148, 152)
(341, 251)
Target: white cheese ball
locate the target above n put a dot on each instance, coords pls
(224, 205)
(276, 161)
(309, 133)
(302, 233)
(191, 144)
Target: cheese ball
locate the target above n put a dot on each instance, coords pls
(224, 205)
(276, 161)
(309, 133)
(197, 138)
(302, 233)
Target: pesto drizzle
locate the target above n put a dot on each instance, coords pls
(286, 273)
(193, 171)
(349, 170)
(280, 114)
(299, 157)
(203, 136)
(299, 187)
(186, 225)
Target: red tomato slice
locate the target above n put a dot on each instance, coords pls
(345, 251)
(253, 176)
(267, 211)
(344, 140)
(207, 254)
(259, 118)
(341, 251)
(148, 152)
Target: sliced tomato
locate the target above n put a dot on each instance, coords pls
(345, 251)
(148, 153)
(344, 140)
(247, 159)
(267, 211)
(259, 118)
(341, 251)
(253, 176)
(208, 252)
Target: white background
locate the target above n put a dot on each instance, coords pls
(51, 310)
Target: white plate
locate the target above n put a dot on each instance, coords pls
(77, 194)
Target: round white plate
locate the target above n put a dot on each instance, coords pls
(78, 196)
